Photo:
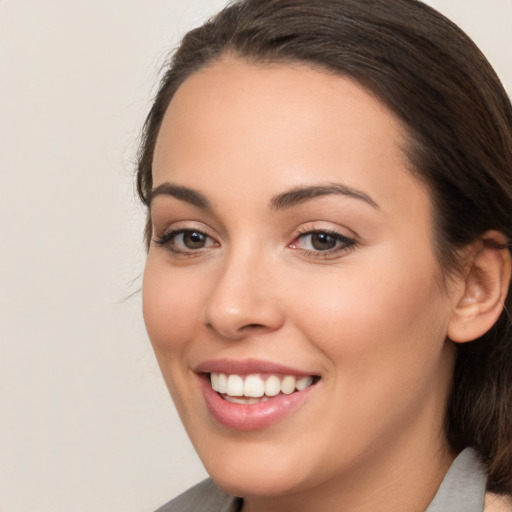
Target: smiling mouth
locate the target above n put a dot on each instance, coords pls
(255, 389)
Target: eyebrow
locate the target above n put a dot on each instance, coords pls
(283, 201)
(182, 193)
(300, 195)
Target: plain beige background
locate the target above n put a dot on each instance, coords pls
(85, 421)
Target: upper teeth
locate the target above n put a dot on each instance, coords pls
(256, 386)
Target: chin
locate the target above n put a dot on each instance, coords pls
(261, 481)
(254, 468)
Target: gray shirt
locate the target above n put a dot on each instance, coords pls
(462, 490)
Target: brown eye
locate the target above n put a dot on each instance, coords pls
(323, 241)
(194, 239)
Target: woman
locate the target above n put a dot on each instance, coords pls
(329, 188)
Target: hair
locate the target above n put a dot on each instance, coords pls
(458, 119)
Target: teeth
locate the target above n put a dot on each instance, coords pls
(288, 384)
(245, 401)
(222, 383)
(235, 386)
(272, 386)
(304, 382)
(255, 387)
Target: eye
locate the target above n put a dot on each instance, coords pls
(322, 243)
(185, 241)
(191, 239)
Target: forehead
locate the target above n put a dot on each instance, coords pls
(278, 126)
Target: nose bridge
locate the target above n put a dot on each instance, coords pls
(243, 299)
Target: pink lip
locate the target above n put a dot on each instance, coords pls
(246, 367)
(255, 416)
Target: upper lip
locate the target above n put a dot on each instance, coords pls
(246, 367)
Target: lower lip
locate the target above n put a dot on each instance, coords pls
(253, 416)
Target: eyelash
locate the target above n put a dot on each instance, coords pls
(344, 244)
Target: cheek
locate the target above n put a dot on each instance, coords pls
(170, 307)
(379, 314)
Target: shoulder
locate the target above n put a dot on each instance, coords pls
(203, 497)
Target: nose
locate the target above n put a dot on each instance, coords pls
(243, 301)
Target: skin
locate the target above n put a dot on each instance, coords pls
(370, 319)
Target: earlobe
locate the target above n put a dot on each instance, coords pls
(485, 289)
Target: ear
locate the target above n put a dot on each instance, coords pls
(484, 289)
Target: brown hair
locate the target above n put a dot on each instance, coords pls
(459, 120)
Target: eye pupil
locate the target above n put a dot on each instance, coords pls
(323, 241)
(194, 239)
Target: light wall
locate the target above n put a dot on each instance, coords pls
(85, 421)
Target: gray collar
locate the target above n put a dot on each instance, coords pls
(463, 487)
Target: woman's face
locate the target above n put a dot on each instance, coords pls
(293, 249)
